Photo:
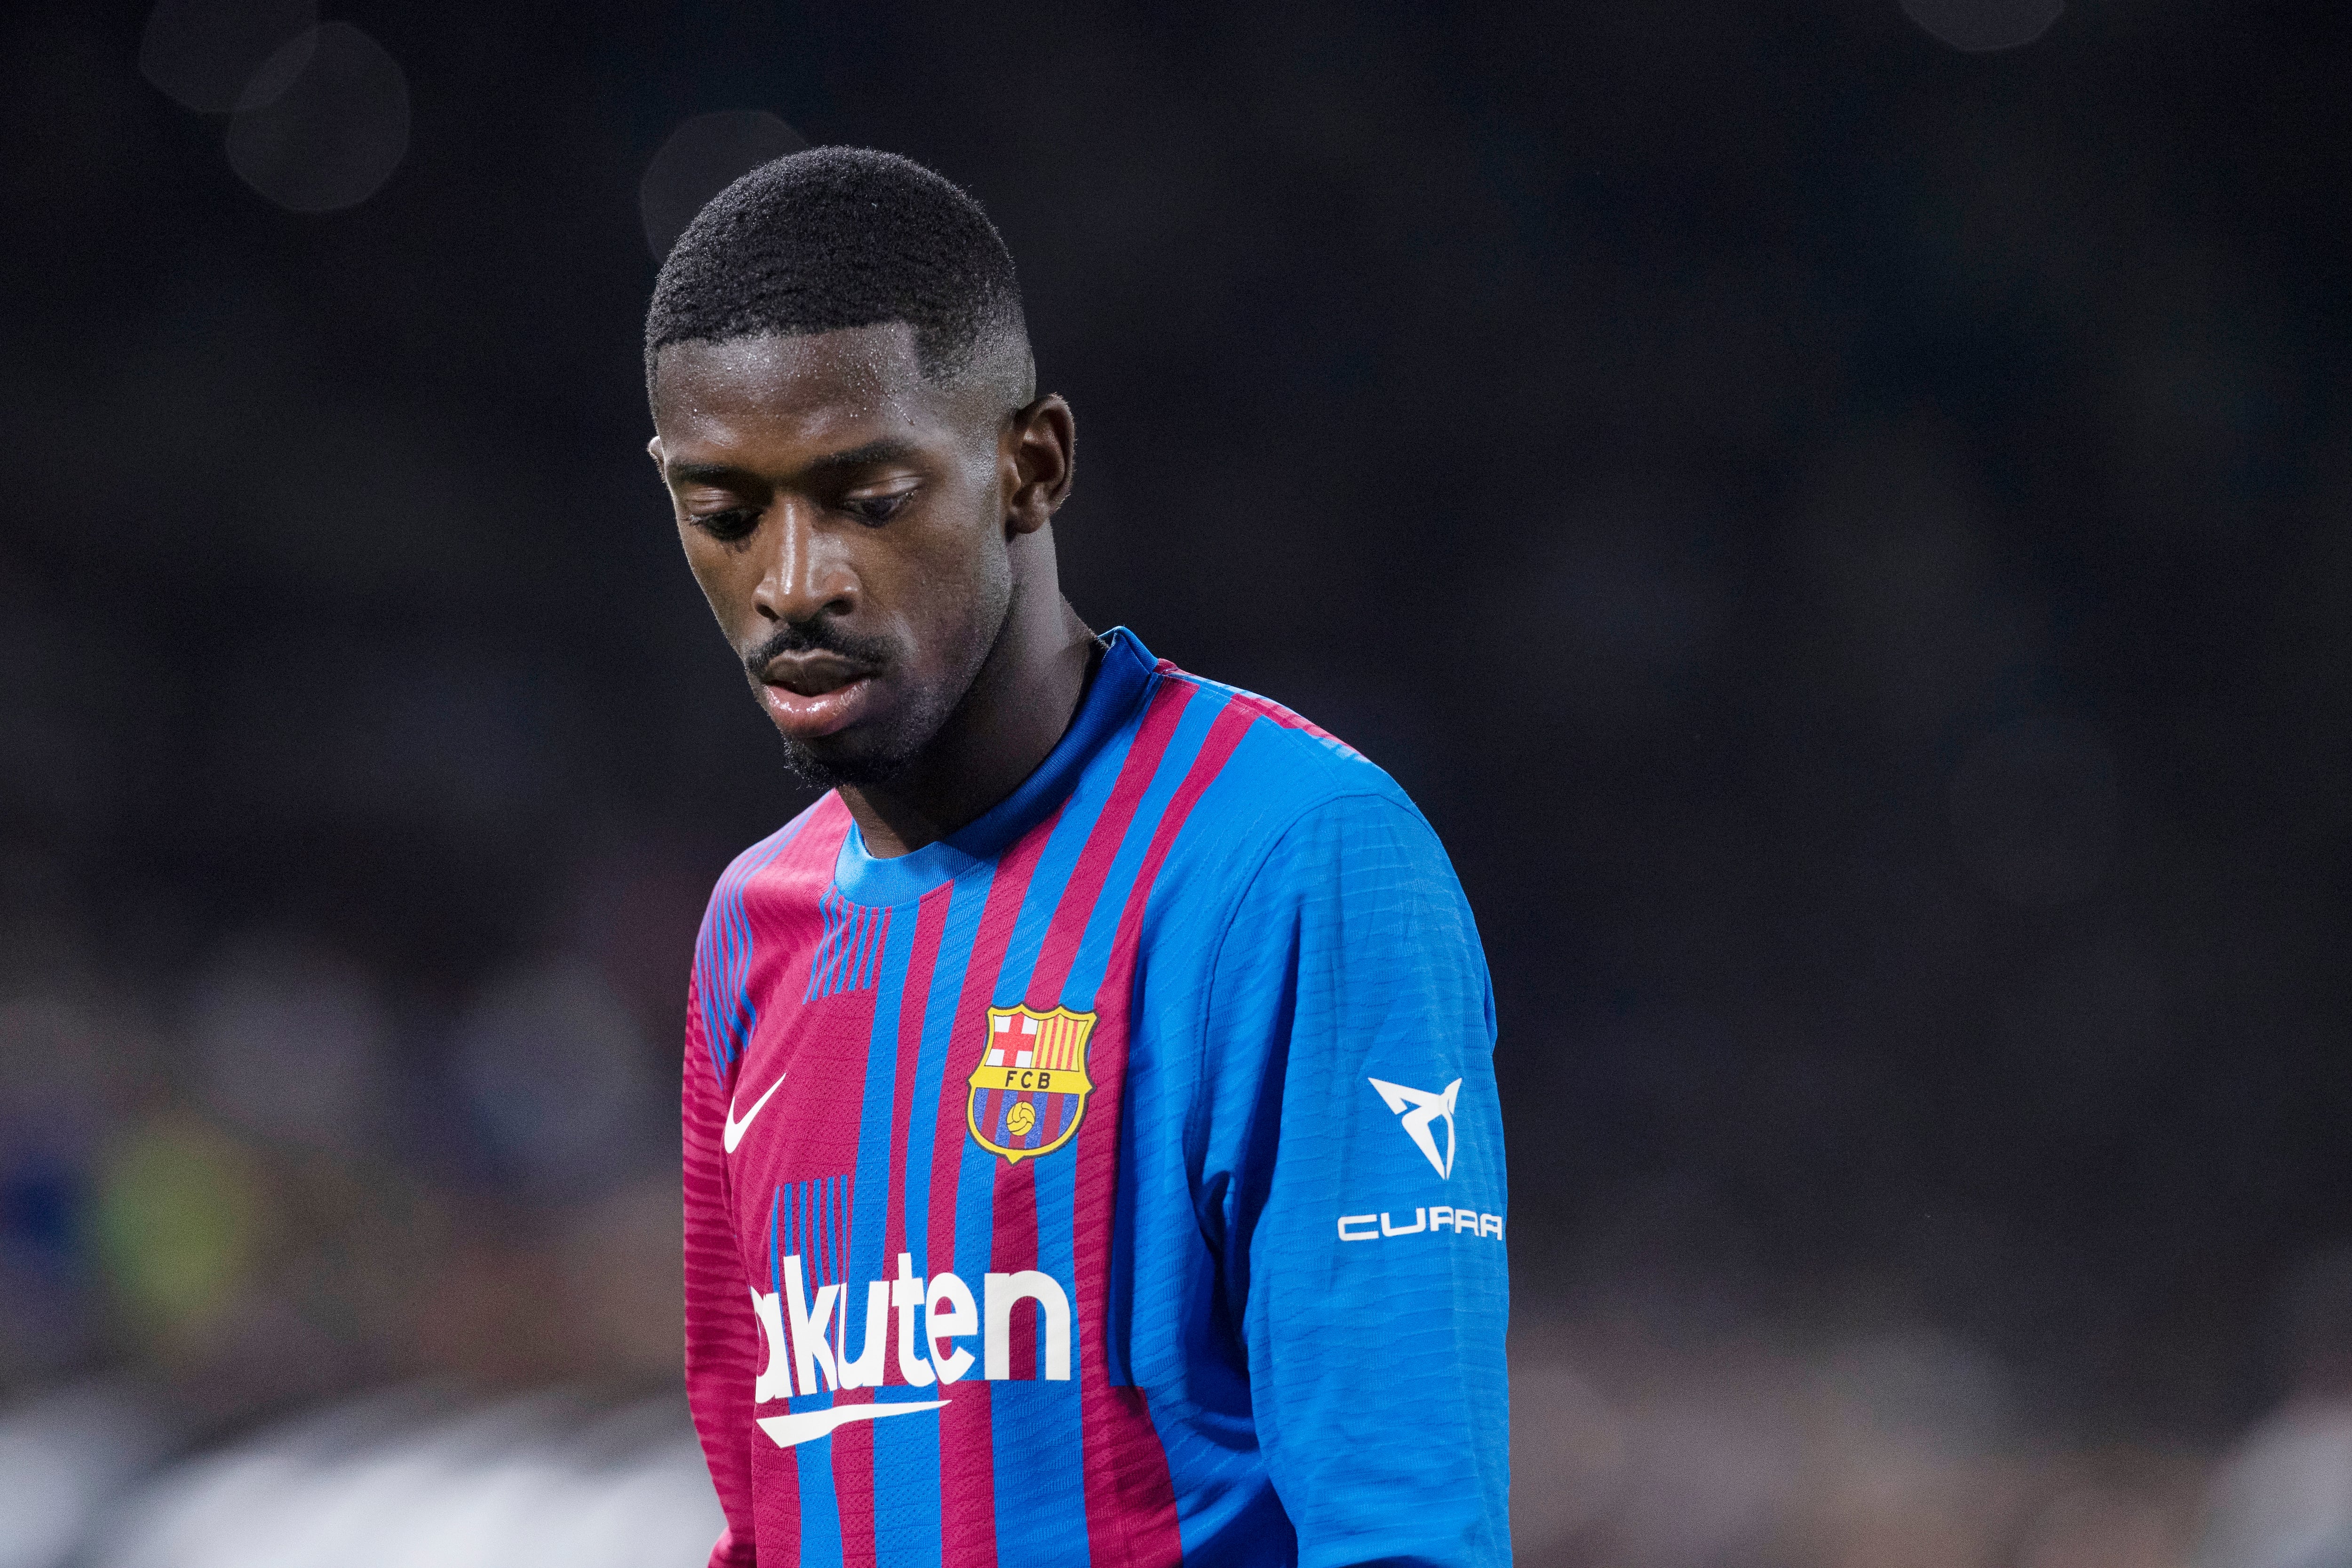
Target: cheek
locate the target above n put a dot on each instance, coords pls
(957, 597)
(717, 571)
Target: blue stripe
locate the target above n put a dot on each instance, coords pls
(820, 1512)
(975, 1217)
(812, 1461)
(816, 984)
(1093, 956)
(1092, 959)
(722, 952)
(1052, 878)
(848, 953)
(907, 1523)
(965, 907)
(870, 1197)
(824, 945)
(901, 1494)
(975, 1224)
(909, 1530)
(1037, 1428)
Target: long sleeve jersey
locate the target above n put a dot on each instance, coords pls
(1118, 1181)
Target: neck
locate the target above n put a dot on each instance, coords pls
(1020, 705)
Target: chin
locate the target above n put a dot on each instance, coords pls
(880, 749)
(857, 765)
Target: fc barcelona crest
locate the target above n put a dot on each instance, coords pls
(1031, 1085)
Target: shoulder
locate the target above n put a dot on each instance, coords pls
(1264, 769)
(753, 900)
(765, 885)
(765, 868)
(1279, 800)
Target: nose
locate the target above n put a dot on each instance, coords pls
(806, 572)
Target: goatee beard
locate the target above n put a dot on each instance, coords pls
(857, 772)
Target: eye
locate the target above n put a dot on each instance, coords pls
(734, 523)
(875, 510)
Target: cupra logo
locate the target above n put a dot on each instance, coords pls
(1418, 1107)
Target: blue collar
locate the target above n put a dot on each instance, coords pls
(1119, 686)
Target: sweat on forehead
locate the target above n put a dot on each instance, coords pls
(843, 237)
(818, 390)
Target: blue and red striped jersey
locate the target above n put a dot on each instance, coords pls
(1118, 1181)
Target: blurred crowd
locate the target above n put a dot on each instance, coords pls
(286, 1177)
(279, 1180)
(301, 1269)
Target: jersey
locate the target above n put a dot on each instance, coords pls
(1118, 1181)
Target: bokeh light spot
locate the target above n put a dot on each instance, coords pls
(702, 157)
(179, 1222)
(1982, 26)
(325, 135)
(550, 1066)
(288, 1043)
(205, 53)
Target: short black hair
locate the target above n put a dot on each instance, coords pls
(832, 237)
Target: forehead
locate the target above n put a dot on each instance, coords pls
(784, 394)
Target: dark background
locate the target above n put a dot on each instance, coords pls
(1846, 537)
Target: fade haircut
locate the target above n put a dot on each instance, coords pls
(834, 237)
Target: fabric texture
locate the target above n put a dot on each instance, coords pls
(1117, 1182)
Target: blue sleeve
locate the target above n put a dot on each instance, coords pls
(1353, 1187)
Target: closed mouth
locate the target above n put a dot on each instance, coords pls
(813, 674)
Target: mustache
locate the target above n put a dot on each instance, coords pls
(823, 634)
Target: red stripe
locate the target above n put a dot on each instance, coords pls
(1131, 1499)
(1084, 888)
(967, 1454)
(853, 1446)
(1014, 1196)
(1225, 733)
(1015, 1202)
(723, 1345)
(776, 1497)
(1267, 708)
(811, 853)
(930, 918)
(782, 952)
(853, 1475)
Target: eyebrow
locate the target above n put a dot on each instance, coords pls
(874, 454)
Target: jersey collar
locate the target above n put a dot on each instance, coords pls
(1117, 689)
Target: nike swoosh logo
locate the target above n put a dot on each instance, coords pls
(806, 1425)
(734, 1133)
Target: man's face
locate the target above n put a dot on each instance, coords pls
(846, 519)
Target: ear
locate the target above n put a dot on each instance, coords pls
(1041, 448)
(654, 451)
